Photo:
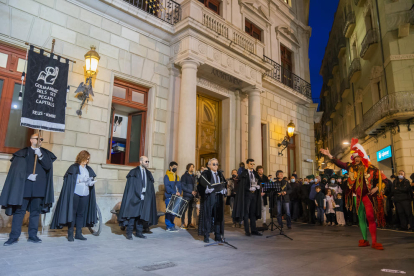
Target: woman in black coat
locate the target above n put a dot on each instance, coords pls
(77, 200)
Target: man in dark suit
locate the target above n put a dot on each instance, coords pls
(28, 187)
(248, 202)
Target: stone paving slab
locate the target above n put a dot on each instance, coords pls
(315, 250)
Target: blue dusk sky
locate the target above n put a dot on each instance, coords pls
(321, 16)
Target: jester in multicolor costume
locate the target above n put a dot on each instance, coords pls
(366, 182)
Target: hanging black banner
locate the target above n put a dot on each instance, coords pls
(44, 100)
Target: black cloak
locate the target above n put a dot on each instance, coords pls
(238, 208)
(12, 195)
(132, 206)
(64, 207)
(205, 220)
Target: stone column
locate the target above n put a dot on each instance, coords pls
(172, 115)
(238, 133)
(255, 125)
(187, 115)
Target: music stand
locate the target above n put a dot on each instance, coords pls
(281, 233)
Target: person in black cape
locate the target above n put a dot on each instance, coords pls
(21, 193)
(138, 206)
(77, 201)
(248, 202)
(211, 217)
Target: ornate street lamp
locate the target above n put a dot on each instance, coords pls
(285, 142)
(85, 89)
(91, 61)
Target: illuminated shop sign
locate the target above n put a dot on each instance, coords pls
(384, 154)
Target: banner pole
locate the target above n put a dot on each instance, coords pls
(53, 46)
(39, 132)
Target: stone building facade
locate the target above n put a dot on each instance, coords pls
(191, 80)
(368, 86)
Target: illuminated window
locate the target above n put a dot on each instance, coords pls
(127, 126)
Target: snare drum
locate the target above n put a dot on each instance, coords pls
(177, 206)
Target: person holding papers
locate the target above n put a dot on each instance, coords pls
(77, 201)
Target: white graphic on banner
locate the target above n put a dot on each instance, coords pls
(49, 75)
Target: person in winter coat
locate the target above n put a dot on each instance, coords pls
(188, 181)
(304, 191)
(294, 198)
(401, 195)
(172, 186)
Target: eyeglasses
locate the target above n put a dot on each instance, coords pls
(146, 162)
(214, 164)
(41, 139)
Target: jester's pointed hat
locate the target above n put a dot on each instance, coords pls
(358, 150)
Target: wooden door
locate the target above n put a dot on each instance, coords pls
(207, 144)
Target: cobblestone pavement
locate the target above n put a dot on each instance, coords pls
(315, 250)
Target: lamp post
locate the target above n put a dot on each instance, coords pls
(84, 90)
(285, 142)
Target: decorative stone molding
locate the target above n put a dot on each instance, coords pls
(177, 48)
(398, 57)
(367, 8)
(376, 72)
(212, 86)
(202, 48)
(229, 62)
(287, 32)
(394, 20)
(349, 108)
(253, 73)
(217, 55)
(242, 68)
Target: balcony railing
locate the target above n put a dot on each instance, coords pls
(387, 106)
(218, 25)
(166, 10)
(349, 24)
(286, 77)
(354, 68)
(341, 45)
(243, 40)
(370, 38)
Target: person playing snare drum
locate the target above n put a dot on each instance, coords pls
(172, 186)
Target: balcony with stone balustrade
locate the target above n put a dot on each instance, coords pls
(215, 27)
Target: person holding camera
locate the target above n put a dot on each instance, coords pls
(28, 187)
